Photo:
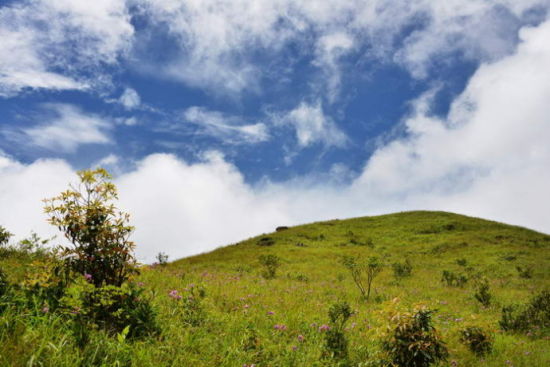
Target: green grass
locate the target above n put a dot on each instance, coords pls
(242, 308)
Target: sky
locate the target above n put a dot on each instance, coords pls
(222, 119)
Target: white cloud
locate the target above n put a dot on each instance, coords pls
(218, 40)
(489, 158)
(66, 128)
(313, 126)
(130, 99)
(60, 44)
(226, 128)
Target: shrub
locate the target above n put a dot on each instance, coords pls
(413, 341)
(477, 340)
(266, 241)
(336, 343)
(533, 316)
(110, 308)
(4, 236)
(162, 258)
(271, 263)
(356, 269)
(402, 270)
(526, 273)
(462, 262)
(98, 231)
(453, 280)
(483, 294)
(3, 283)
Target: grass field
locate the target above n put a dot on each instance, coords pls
(244, 319)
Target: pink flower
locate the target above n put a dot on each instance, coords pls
(324, 327)
(301, 338)
(88, 277)
(45, 309)
(174, 294)
(294, 348)
(246, 306)
(279, 327)
(270, 313)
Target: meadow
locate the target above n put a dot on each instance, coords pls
(239, 306)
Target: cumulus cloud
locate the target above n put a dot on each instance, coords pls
(226, 128)
(312, 126)
(489, 157)
(129, 99)
(60, 44)
(65, 129)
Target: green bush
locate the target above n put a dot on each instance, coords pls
(453, 280)
(533, 317)
(525, 272)
(483, 294)
(4, 236)
(110, 308)
(413, 341)
(270, 263)
(193, 310)
(336, 343)
(402, 270)
(477, 340)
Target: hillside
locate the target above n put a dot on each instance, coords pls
(244, 319)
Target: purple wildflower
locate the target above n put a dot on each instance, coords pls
(279, 327)
(301, 338)
(324, 327)
(88, 277)
(174, 294)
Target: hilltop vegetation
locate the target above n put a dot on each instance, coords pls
(443, 283)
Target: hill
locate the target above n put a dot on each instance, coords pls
(237, 317)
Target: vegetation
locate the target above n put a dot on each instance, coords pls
(477, 340)
(226, 308)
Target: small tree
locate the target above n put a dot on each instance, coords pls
(356, 269)
(99, 232)
(336, 343)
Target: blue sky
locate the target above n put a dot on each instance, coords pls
(289, 111)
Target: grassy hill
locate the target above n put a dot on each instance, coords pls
(240, 318)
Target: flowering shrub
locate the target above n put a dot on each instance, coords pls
(98, 231)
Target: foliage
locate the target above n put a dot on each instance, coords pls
(402, 270)
(462, 262)
(162, 259)
(4, 236)
(336, 343)
(193, 310)
(98, 231)
(453, 280)
(270, 263)
(477, 340)
(266, 241)
(525, 272)
(110, 308)
(3, 283)
(357, 270)
(533, 317)
(412, 341)
(483, 294)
